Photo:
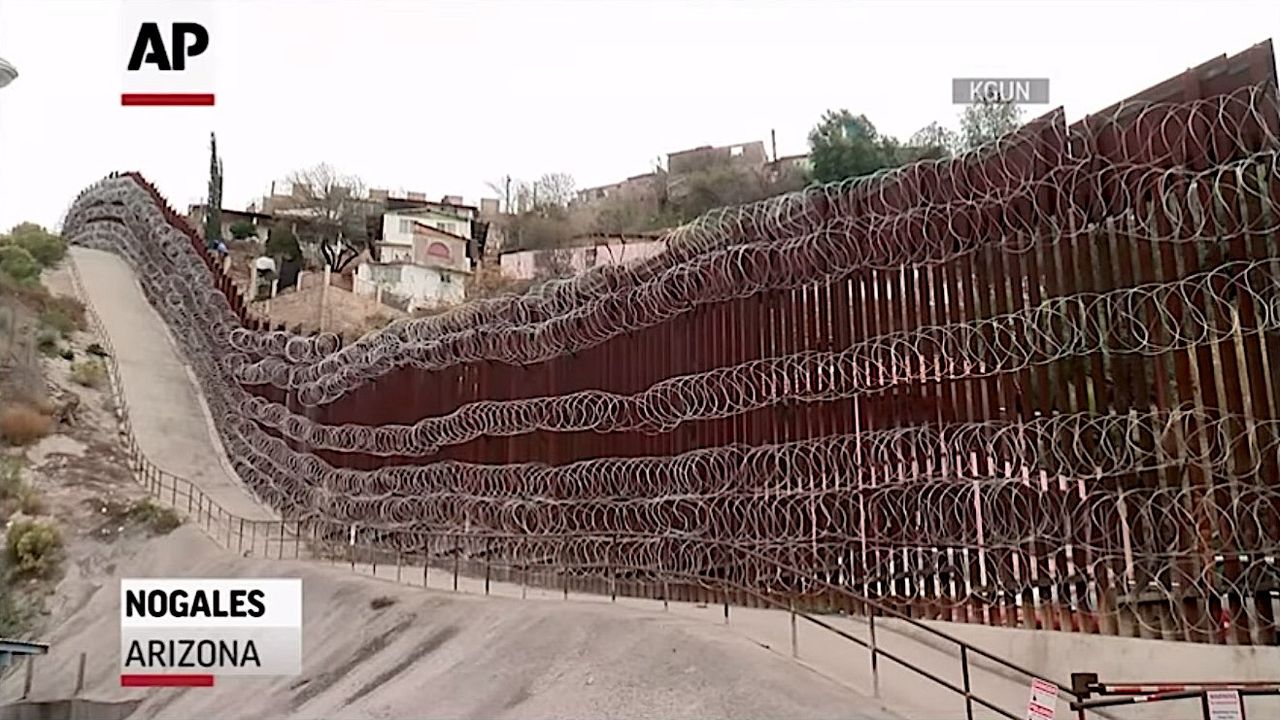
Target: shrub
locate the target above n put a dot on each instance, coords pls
(89, 373)
(283, 243)
(28, 293)
(242, 229)
(10, 478)
(29, 501)
(13, 614)
(96, 350)
(158, 519)
(21, 424)
(18, 264)
(69, 310)
(68, 354)
(54, 318)
(45, 247)
(33, 546)
(47, 342)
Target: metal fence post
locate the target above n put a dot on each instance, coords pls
(795, 648)
(26, 683)
(968, 691)
(457, 552)
(724, 590)
(875, 667)
(297, 539)
(398, 559)
(613, 572)
(280, 550)
(488, 545)
(80, 677)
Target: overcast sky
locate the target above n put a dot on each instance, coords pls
(441, 96)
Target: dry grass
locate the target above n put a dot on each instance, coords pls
(23, 424)
(89, 373)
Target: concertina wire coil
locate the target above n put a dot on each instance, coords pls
(901, 513)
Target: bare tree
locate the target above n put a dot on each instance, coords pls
(549, 192)
(556, 189)
(336, 207)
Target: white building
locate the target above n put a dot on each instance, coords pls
(421, 286)
(585, 251)
(423, 256)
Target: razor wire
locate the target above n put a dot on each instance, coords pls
(999, 198)
(1151, 319)
(1076, 510)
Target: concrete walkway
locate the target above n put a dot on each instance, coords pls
(170, 419)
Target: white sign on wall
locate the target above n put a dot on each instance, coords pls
(1043, 703)
(1224, 705)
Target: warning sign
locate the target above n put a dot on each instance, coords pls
(1044, 700)
(1224, 705)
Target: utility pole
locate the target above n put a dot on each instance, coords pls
(507, 198)
(773, 140)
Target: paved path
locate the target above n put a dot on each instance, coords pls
(169, 417)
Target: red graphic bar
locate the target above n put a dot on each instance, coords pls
(166, 99)
(166, 681)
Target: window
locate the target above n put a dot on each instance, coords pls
(443, 226)
(446, 278)
(591, 257)
(406, 226)
(735, 151)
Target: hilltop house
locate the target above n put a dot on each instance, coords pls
(580, 253)
(423, 255)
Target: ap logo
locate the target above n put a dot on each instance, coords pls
(169, 51)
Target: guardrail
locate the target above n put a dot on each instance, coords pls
(300, 539)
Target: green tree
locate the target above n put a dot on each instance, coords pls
(934, 142)
(982, 122)
(843, 146)
(46, 247)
